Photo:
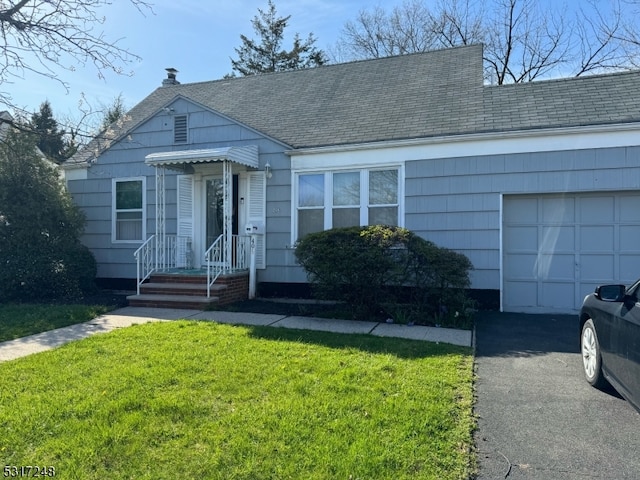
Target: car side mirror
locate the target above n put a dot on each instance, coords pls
(611, 293)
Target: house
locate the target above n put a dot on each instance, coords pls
(538, 183)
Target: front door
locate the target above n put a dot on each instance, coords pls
(214, 209)
(214, 213)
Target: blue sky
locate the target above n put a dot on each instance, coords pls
(197, 37)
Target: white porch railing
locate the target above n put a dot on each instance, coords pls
(238, 254)
(153, 256)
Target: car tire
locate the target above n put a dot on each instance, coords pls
(591, 356)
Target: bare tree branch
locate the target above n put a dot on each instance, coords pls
(43, 36)
(522, 42)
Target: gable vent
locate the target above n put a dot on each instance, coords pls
(180, 129)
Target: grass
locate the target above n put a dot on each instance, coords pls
(195, 400)
(18, 321)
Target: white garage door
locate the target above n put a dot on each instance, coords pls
(558, 248)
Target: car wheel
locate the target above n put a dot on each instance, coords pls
(591, 357)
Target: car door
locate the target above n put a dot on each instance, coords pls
(630, 335)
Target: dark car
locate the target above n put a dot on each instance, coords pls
(610, 339)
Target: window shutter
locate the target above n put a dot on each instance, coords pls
(185, 221)
(257, 212)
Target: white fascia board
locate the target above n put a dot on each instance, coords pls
(547, 140)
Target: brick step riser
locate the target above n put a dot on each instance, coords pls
(194, 279)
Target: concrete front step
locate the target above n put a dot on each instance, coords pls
(193, 302)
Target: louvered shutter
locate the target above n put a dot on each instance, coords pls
(185, 221)
(257, 212)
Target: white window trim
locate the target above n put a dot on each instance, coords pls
(115, 181)
(328, 193)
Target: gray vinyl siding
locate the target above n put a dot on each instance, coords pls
(281, 264)
(455, 202)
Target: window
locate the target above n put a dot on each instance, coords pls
(383, 197)
(347, 198)
(310, 203)
(128, 210)
(180, 130)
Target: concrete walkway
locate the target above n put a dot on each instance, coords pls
(127, 316)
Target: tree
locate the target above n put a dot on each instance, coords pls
(40, 251)
(268, 55)
(55, 143)
(523, 41)
(42, 36)
(113, 112)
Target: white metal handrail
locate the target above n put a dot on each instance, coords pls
(157, 255)
(213, 259)
(216, 262)
(145, 261)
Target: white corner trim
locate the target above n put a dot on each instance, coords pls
(75, 173)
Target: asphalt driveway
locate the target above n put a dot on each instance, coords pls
(537, 416)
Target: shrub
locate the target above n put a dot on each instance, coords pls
(41, 256)
(439, 278)
(351, 264)
(367, 267)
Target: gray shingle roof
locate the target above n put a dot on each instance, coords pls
(430, 94)
(570, 102)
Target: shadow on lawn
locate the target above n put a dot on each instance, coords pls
(399, 347)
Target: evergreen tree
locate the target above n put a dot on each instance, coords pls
(40, 251)
(268, 55)
(51, 139)
(112, 113)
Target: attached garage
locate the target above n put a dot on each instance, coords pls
(558, 248)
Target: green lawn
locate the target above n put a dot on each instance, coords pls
(21, 320)
(199, 400)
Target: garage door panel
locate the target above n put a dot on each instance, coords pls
(629, 269)
(526, 293)
(556, 267)
(558, 238)
(521, 211)
(558, 295)
(522, 267)
(558, 210)
(599, 209)
(597, 268)
(630, 208)
(597, 238)
(630, 238)
(525, 238)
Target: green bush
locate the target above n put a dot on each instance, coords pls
(41, 257)
(351, 264)
(439, 279)
(381, 268)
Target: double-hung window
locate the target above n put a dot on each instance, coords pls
(128, 210)
(345, 198)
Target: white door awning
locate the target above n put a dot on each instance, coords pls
(247, 156)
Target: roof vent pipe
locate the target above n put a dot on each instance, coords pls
(171, 77)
